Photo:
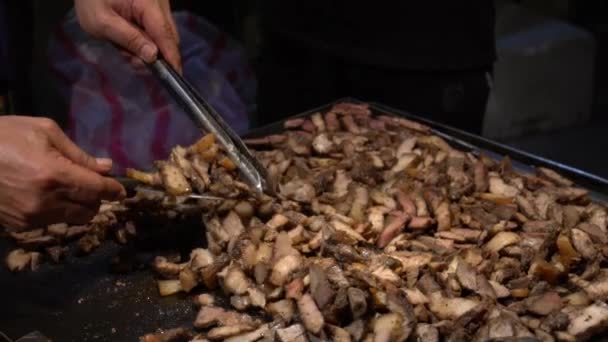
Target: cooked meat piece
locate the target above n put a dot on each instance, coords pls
(283, 309)
(294, 123)
(583, 244)
(188, 279)
(293, 333)
(169, 287)
(204, 299)
(88, 243)
(18, 260)
(58, 230)
(320, 287)
(426, 333)
(221, 333)
(395, 225)
(415, 126)
(376, 218)
(234, 280)
(598, 216)
(283, 268)
(350, 124)
(310, 314)
(480, 177)
(421, 207)
(407, 204)
(209, 316)
(388, 327)
(383, 199)
(74, 232)
(232, 225)
(143, 177)
(165, 268)
(567, 254)
(421, 222)
(322, 144)
(450, 308)
(556, 321)
(469, 279)
(346, 233)
(595, 233)
(200, 258)
(317, 120)
(589, 321)
(298, 190)
(360, 203)
(526, 207)
(428, 284)
(443, 216)
(553, 176)
(459, 234)
(173, 179)
(434, 141)
(297, 144)
(357, 300)
(406, 146)
(498, 187)
(596, 289)
(544, 304)
(338, 334)
(277, 221)
(356, 329)
(331, 122)
(501, 240)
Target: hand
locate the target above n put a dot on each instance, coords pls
(45, 178)
(140, 26)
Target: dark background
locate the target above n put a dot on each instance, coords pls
(31, 22)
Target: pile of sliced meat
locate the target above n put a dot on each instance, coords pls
(381, 232)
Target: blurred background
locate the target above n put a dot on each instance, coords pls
(550, 86)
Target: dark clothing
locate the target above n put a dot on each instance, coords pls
(293, 79)
(429, 58)
(411, 35)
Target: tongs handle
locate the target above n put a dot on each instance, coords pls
(209, 120)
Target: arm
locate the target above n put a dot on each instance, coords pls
(45, 178)
(143, 27)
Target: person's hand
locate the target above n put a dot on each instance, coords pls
(142, 27)
(45, 178)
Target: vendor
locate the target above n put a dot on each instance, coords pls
(44, 177)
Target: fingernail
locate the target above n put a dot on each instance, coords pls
(148, 53)
(104, 162)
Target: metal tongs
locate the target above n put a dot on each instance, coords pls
(206, 118)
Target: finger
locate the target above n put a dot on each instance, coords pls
(129, 37)
(166, 8)
(86, 187)
(159, 28)
(70, 150)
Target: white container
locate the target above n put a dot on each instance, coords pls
(543, 77)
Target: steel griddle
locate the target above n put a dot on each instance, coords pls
(82, 300)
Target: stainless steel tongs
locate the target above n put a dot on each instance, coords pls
(206, 118)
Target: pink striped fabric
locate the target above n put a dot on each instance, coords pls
(116, 111)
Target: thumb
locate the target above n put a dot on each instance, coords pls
(71, 151)
(129, 37)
